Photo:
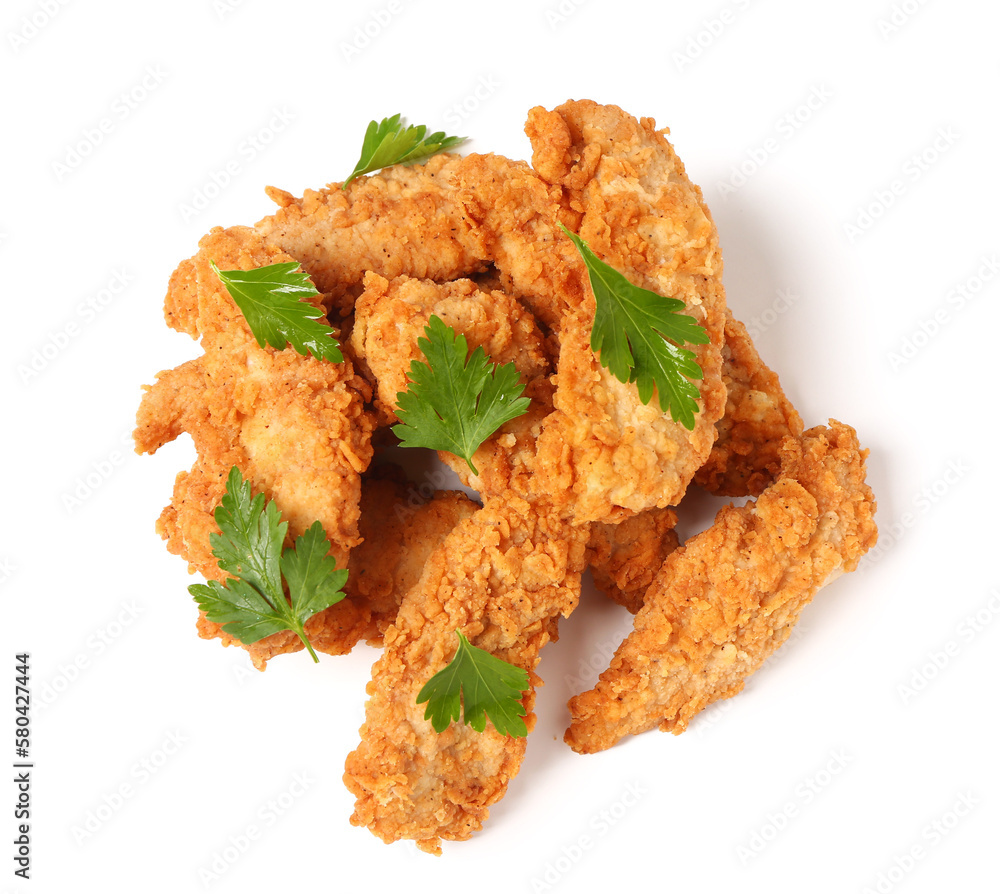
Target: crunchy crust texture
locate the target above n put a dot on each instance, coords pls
(503, 577)
(726, 600)
(624, 558)
(586, 478)
(402, 220)
(603, 454)
(746, 458)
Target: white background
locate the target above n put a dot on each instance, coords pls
(852, 761)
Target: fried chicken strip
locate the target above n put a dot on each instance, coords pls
(726, 600)
(503, 577)
(391, 316)
(296, 426)
(626, 193)
(744, 461)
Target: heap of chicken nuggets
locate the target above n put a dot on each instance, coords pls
(587, 478)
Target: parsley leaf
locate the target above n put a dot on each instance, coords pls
(454, 403)
(390, 143)
(252, 604)
(269, 298)
(638, 336)
(484, 684)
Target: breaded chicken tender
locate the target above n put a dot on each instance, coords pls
(744, 461)
(296, 427)
(403, 220)
(726, 600)
(503, 577)
(626, 193)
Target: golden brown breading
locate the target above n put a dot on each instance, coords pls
(180, 306)
(602, 455)
(624, 558)
(391, 317)
(726, 600)
(632, 201)
(503, 577)
(448, 218)
(745, 458)
(400, 532)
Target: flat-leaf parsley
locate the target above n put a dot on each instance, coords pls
(476, 685)
(252, 604)
(454, 401)
(270, 299)
(637, 335)
(389, 142)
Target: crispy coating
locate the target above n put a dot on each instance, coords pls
(745, 458)
(390, 319)
(390, 316)
(624, 558)
(180, 306)
(399, 533)
(296, 426)
(451, 217)
(503, 577)
(725, 601)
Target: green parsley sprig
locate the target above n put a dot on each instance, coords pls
(638, 334)
(481, 685)
(252, 604)
(390, 142)
(455, 401)
(270, 299)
